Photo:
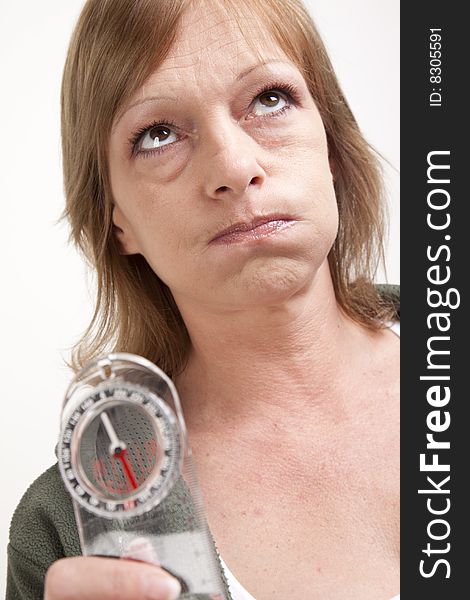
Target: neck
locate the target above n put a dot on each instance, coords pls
(259, 363)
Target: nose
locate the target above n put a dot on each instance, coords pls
(231, 166)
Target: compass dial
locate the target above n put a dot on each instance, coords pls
(120, 450)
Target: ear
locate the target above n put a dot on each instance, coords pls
(123, 232)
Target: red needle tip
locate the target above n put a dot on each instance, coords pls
(121, 455)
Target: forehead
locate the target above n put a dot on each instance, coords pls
(213, 40)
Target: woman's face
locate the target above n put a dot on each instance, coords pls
(214, 141)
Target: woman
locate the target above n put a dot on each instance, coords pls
(218, 183)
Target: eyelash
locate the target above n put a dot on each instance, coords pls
(286, 89)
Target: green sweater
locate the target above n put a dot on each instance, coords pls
(43, 527)
(43, 530)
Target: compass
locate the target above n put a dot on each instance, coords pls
(125, 459)
(120, 449)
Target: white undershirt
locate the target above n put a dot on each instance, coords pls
(237, 591)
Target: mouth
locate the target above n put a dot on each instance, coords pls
(252, 230)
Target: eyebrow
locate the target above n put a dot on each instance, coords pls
(139, 102)
(239, 77)
(263, 63)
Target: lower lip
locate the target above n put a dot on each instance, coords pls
(253, 235)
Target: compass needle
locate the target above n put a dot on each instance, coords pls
(118, 449)
(116, 443)
(127, 470)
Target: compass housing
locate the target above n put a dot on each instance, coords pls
(121, 444)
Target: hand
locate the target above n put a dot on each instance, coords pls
(93, 578)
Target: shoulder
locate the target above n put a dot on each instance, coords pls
(390, 293)
(42, 530)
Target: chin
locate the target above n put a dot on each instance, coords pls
(272, 283)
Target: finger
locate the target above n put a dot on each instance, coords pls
(91, 578)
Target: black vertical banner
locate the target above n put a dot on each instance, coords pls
(435, 434)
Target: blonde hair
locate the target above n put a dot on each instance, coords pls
(116, 45)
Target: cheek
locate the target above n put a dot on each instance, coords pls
(308, 177)
(161, 226)
(159, 229)
(315, 183)
(165, 232)
(305, 148)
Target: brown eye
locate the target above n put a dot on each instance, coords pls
(269, 99)
(269, 102)
(156, 136)
(159, 134)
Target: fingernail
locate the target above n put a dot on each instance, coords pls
(141, 549)
(162, 586)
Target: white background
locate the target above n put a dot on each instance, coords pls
(45, 303)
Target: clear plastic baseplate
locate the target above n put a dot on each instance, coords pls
(173, 533)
